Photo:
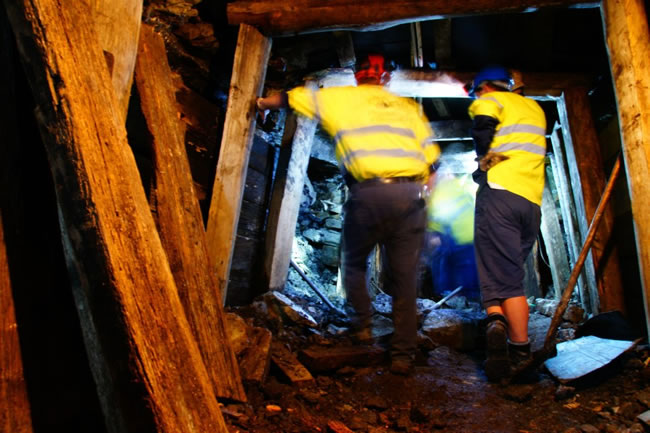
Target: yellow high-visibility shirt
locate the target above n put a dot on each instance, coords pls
(377, 133)
(451, 210)
(520, 135)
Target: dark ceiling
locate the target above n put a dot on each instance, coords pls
(550, 40)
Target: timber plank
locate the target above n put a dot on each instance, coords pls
(573, 187)
(287, 194)
(628, 40)
(117, 24)
(179, 219)
(555, 245)
(146, 364)
(590, 168)
(299, 16)
(15, 409)
(256, 361)
(567, 207)
(288, 363)
(251, 58)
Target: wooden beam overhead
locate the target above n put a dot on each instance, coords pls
(275, 18)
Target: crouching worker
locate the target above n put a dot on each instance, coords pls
(385, 149)
(451, 221)
(509, 132)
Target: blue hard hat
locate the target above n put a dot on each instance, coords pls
(496, 74)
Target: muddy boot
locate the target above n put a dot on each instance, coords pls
(497, 363)
(362, 332)
(402, 366)
(364, 336)
(521, 365)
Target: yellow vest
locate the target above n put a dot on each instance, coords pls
(521, 136)
(451, 210)
(377, 133)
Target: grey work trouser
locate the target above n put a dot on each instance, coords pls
(394, 217)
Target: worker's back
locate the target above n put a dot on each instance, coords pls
(377, 133)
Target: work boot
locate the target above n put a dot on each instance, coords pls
(364, 336)
(497, 364)
(362, 332)
(521, 366)
(401, 366)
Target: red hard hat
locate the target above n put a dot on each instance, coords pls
(372, 68)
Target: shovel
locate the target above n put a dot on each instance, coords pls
(549, 349)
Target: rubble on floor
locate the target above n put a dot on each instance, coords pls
(311, 376)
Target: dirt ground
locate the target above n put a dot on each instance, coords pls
(447, 392)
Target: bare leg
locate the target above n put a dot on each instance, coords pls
(516, 311)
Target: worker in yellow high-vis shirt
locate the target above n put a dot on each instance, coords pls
(509, 132)
(385, 149)
(451, 222)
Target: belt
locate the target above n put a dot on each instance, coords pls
(389, 180)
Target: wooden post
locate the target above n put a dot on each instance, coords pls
(117, 24)
(567, 207)
(249, 69)
(558, 260)
(589, 164)
(628, 41)
(15, 409)
(287, 193)
(589, 292)
(146, 364)
(345, 49)
(179, 219)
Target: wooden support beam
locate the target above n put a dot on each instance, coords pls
(556, 250)
(567, 206)
(628, 40)
(179, 219)
(117, 24)
(588, 293)
(249, 70)
(442, 45)
(15, 408)
(146, 364)
(345, 49)
(287, 194)
(589, 164)
(300, 16)
(447, 83)
(417, 54)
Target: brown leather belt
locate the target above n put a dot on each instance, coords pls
(388, 180)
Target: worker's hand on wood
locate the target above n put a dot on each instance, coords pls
(262, 110)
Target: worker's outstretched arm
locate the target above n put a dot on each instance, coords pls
(271, 102)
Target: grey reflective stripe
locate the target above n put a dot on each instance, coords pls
(374, 129)
(527, 147)
(531, 129)
(392, 153)
(490, 98)
(316, 110)
(429, 141)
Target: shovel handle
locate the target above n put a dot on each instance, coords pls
(575, 273)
